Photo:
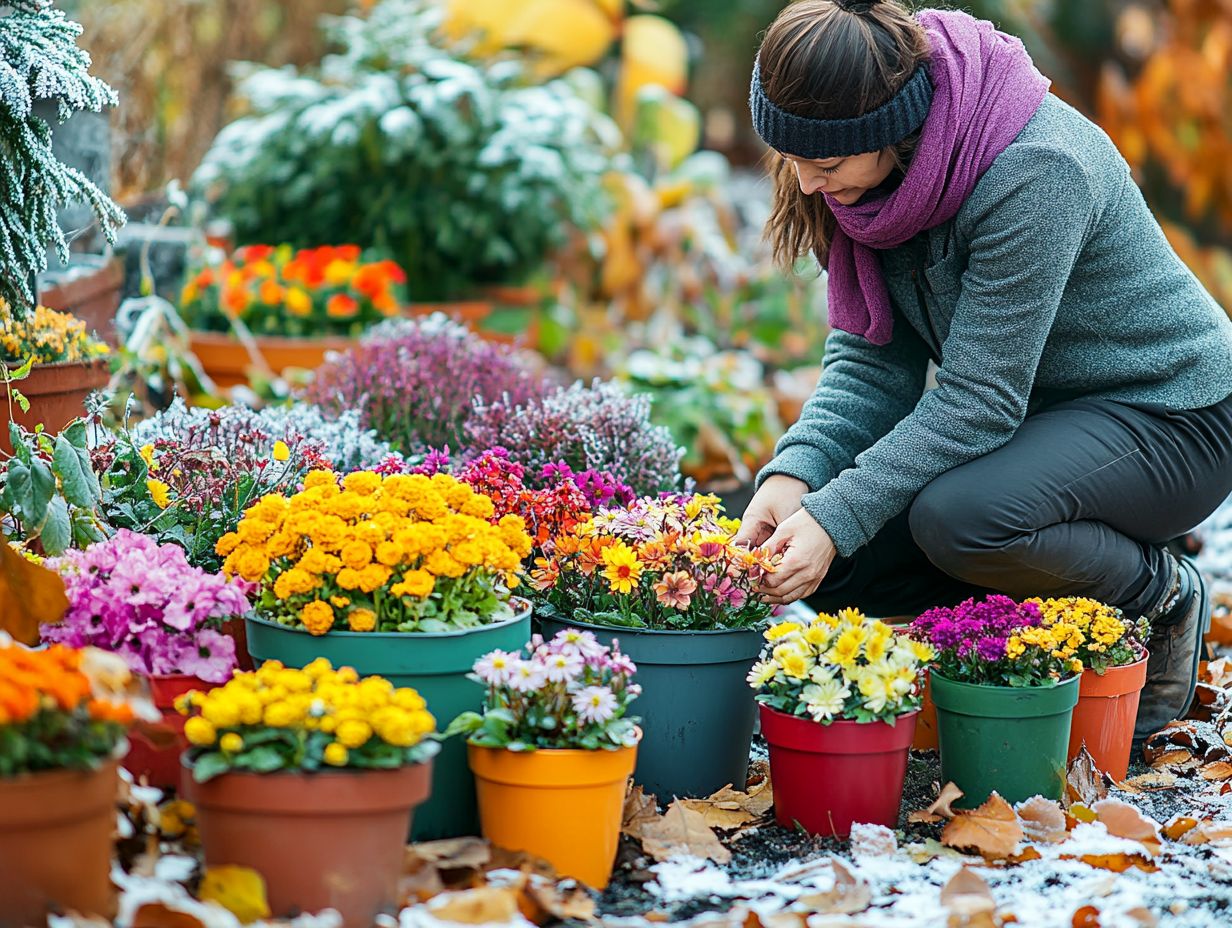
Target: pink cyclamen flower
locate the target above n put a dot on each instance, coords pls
(676, 589)
(594, 704)
(528, 676)
(496, 667)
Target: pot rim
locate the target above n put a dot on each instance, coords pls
(1015, 689)
(98, 362)
(787, 716)
(1005, 702)
(620, 630)
(565, 752)
(1116, 667)
(520, 616)
(215, 338)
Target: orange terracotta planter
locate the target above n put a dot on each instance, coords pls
(227, 361)
(323, 840)
(57, 395)
(160, 766)
(91, 293)
(562, 805)
(55, 844)
(926, 722)
(1104, 717)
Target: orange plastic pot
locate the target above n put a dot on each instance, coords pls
(55, 844)
(322, 840)
(1104, 716)
(926, 723)
(227, 362)
(562, 805)
(57, 395)
(160, 766)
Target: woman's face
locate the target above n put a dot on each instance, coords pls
(844, 180)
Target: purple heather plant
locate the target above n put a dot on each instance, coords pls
(146, 603)
(598, 428)
(972, 641)
(415, 382)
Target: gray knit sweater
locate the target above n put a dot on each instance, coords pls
(1054, 281)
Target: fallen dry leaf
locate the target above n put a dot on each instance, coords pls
(1218, 673)
(1210, 833)
(30, 595)
(1027, 854)
(1043, 821)
(239, 890)
(1124, 821)
(159, 915)
(548, 899)
(639, 810)
(1177, 826)
(1083, 781)
(451, 853)
(1079, 813)
(847, 896)
(968, 901)
(991, 830)
(1143, 916)
(682, 831)
(1154, 781)
(872, 841)
(1086, 917)
(1219, 771)
(728, 809)
(481, 906)
(940, 808)
(1117, 863)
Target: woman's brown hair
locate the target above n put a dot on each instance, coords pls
(831, 59)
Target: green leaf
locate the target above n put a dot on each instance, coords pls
(464, 724)
(19, 491)
(17, 439)
(57, 531)
(22, 372)
(262, 759)
(20, 399)
(210, 765)
(42, 485)
(72, 463)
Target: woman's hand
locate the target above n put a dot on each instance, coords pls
(773, 504)
(807, 550)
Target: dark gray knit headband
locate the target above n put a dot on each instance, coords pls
(810, 138)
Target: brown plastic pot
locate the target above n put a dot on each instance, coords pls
(91, 293)
(57, 395)
(55, 844)
(323, 840)
(227, 362)
(158, 765)
(1105, 714)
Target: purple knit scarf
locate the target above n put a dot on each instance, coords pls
(985, 92)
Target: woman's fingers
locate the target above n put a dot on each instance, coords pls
(754, 531)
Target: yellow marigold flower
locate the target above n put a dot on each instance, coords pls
(405, 697)
(353, 733)
(320, 478)
(363, 482)
(159, 492)
(479, 506)
(147, 455)
(226, 544)
(415, 583)
(200, 732)
(1014, 648)
(361, 620)
(281, 451)
(280, 714)
(340, 602)
(349, 579)
(388, 553)
(443, 564)
(317, 616)
(220, 711)
(335, 754)
(252, 564)
(356, 555)
(373, 577)
(231, 743)
(254, 531)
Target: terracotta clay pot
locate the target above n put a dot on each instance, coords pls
(57, 395)
(160, 766)
(55, 844)
(1105, 714)
(92, 295)
(562, 805)
(227, 362)
(323, 840)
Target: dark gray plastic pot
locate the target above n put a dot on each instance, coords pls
(696, 706)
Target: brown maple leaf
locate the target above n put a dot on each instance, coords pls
(992, 830)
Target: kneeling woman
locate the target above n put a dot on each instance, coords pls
(1081, 416)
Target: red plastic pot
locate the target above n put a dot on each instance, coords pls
(827, 777)
(161, 765)
(1105, 714)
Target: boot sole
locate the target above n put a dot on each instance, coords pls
(1203, 623)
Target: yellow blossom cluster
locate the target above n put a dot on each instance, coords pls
(336, 549)
(839, 666)
(1084, 632)
(350, 713)
(50, 337)
(1099, 625)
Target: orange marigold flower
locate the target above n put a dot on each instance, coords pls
(341, 306)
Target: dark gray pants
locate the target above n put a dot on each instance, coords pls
(1080, 502)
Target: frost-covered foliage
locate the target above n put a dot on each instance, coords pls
(40, 60)
(600, 427)
(462, 173)
(235, 430)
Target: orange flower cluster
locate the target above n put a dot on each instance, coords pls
(50, 679)
(314, 291)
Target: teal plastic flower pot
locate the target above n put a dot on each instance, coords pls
(1008, 739)
(696, 707)
(435, 664)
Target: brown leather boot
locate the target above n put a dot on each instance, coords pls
(1175, 650)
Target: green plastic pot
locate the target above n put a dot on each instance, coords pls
(1008, 739)
(435, 664)
(696, 706)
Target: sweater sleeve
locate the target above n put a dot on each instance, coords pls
(1030, 218)
(863, 391)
